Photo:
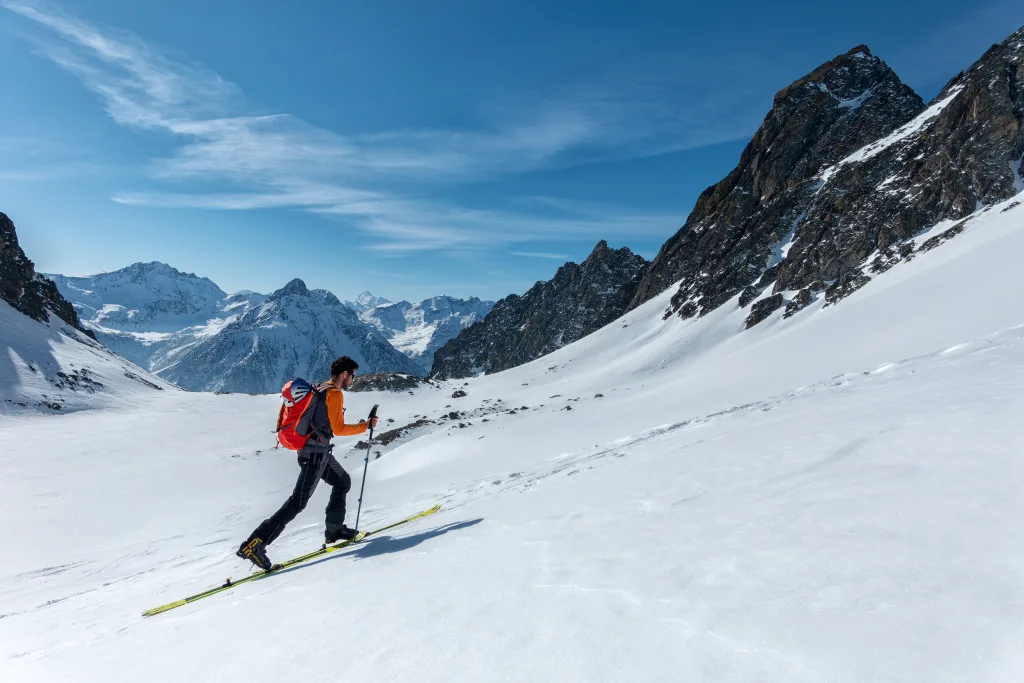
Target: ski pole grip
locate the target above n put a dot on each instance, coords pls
(369, 421)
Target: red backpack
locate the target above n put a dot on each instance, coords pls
(297, 395)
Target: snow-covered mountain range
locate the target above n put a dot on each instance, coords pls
(187, 329)
(419, 329)
(293, 333)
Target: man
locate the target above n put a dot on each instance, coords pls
(316, 462)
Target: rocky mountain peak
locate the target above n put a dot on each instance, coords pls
(294, 288)
(578, 300)
(23, 288)
(848, 163)
(815, 122)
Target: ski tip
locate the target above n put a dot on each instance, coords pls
(163, 608)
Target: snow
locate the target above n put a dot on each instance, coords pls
(831, 497)
(902, 133)
(365, 302)
(1018, 181)
(851, 103)
(782, 247)
(33, 353)
(420, 329)
(855, 103)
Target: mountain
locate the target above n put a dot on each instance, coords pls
(153, 297)
(848, 168)
(365, 302)
(174, 324)
(577, 301)
(420, 329)
(25, 290)
(149, 308)
(293, 333)
(50, 362)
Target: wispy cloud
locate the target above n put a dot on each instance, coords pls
(278, 160)
(541, 254)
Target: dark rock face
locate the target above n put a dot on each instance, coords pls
(730, 238)
(385, 381)
(577, 301)
(24, 289)
(848, 163)
(763, 308)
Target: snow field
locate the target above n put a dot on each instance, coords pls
(830, 497)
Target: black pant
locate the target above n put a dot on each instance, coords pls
(312, 468)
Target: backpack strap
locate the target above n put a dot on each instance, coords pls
(305, 426)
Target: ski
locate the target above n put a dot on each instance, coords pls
(289, 563)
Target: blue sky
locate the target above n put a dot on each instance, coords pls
(463, 147)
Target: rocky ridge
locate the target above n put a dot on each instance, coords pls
(26, 290)
(848, 168)
(577, 301)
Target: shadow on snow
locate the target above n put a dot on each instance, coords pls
(383, 545)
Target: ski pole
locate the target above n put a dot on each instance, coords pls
(366, 463)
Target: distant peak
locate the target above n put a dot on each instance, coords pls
(294, 288)
(151, 265)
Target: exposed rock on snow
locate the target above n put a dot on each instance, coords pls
(386, 381)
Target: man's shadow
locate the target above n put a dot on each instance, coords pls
(382, 545)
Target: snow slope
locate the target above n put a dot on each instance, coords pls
(829, 497)
(54, 367)
(419, 329)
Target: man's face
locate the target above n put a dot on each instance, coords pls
(345, 379)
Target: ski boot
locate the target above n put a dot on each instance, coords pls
(342, 533)
(255, 551)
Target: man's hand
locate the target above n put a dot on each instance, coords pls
(373, 422)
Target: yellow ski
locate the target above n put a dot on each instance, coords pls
(284, 565)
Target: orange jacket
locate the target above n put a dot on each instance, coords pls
(335, 401)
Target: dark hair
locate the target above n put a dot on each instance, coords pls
(343, 364)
